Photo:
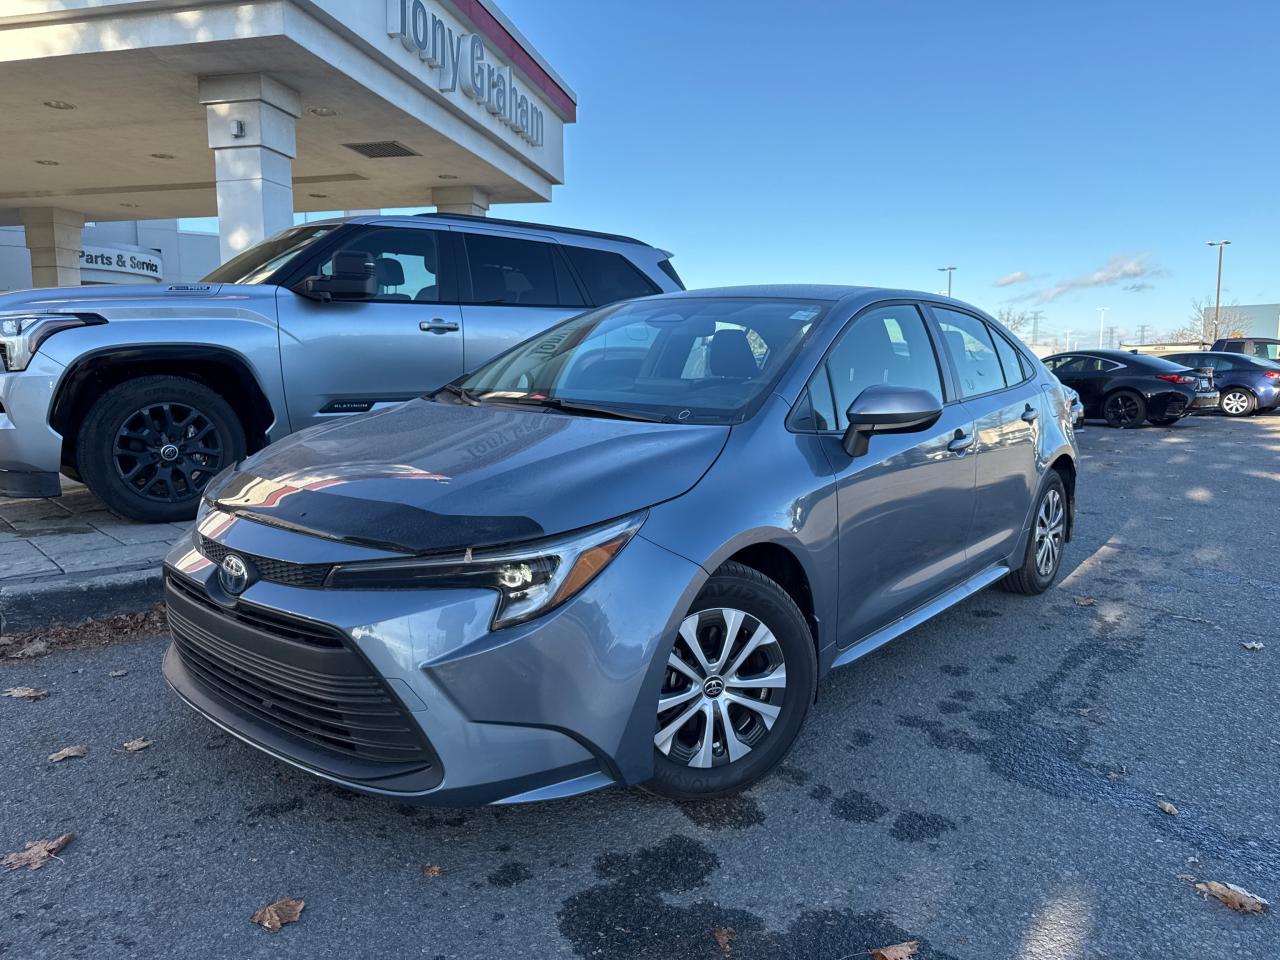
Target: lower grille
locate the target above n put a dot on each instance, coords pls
(275, 571)
(324, 707)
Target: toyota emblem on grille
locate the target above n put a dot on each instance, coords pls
(233, 574)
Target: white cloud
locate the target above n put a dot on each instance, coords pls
(1016, 277)
(1114, 271)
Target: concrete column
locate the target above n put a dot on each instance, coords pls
(466, 200)
(251, 121)
(55, 238)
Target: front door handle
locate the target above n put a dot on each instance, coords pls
(1030, 414)
(960, 442)
(439, 326)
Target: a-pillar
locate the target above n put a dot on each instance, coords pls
(466, 200)
(251, 132)
(55, 238)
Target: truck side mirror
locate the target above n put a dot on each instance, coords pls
(354, 277)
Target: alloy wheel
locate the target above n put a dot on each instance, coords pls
(1235, 403)
(167, 452)
(1050, 527)
(722, 690)
(1122, 409)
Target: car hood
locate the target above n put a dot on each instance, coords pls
(425, 476)
(91, 298)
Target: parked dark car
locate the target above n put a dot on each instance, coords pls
(1264, 348)
(1128, 389)
(625, 551)
(1246, 384)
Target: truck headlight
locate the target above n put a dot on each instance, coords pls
(530, 579)
(22, 333)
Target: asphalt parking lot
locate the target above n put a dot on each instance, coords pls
(987, 785)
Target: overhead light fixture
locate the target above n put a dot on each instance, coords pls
(59, 105)
(47, 163)
(447, 176)
(323, 112)
(163, 156)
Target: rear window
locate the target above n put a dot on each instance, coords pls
(525, 273)
(609, 277)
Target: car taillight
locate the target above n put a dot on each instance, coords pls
(1272, 374)
(1175, 377)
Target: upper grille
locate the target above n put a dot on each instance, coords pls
(382, 149)
(333, 712)
(275, 571)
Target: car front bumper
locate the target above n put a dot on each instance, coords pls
(415, 697)
(30, 450)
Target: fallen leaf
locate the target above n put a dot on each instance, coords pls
(899, 951)
(724, 937)
(433, 871)
(66, 753)
(37, 853)
(1167, 807)
(275, 915)
(1255, 645)
(26, 693)
(1086, 602)
(1237, 898)
(118, 673)
(36, 648)
(133, 746)
(1188, 877)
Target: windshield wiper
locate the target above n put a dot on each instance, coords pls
(462, 393)
(588, 409)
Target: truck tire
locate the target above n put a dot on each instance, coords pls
(149, 446)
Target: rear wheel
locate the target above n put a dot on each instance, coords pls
(1124, 409)
(740, 677)
(149, 446)
(1043, 558)
(1238, 402)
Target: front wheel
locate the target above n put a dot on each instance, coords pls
(1124, 409)
(1238, 403)
(1043, 559)
(149, 446)
(739, 679)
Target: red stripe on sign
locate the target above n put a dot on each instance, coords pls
(509, 46)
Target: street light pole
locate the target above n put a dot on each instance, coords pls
(1217, 297)
(948, 271)
(1102, 320)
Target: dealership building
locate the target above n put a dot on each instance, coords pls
(123, 117)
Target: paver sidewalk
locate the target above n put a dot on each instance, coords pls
(63, 558)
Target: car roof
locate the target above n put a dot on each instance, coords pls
(1116, 356)
(830, 293)
(463, 219)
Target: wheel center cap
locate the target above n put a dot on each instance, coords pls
(713, 687)
(169, 452)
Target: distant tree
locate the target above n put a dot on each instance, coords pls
(1016, 321)
(1202, 325)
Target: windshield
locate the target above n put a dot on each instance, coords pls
(259, 262)
(686, 360)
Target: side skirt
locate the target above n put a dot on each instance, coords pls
(892, 631)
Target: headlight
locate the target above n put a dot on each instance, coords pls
(21, 334)
(530, 579)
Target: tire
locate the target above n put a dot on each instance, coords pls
(1033, 577)
(1164, 421)
(149, 446)
(1124, 409)
(686, 765)
(1238, 402)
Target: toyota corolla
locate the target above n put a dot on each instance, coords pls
(625, 551)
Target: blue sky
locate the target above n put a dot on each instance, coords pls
(1089, 147)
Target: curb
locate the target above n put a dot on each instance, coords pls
(72, 599)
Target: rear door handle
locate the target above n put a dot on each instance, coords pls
(1030, 414)
(960, 442)
(439, 326)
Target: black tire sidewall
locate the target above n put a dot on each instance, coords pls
(1031, 579)
(1137, 421)
(765, 600)
(96, 440)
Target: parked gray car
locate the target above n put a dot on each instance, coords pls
(625, 551)
(147, 392)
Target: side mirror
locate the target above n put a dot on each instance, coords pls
(355, 277)
(885, 409)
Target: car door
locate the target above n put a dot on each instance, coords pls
(345, 357)
(905, 507)
(1006, 405)
(513, 288)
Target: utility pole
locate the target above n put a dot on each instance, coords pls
(1102, 319)
(1111, 336)
(1035, 326)
(1066, 337)
(1142, 334)
(948, 271)
(1217, 298)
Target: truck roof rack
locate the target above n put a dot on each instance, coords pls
(471, 218)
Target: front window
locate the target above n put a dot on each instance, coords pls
(688, 360)
(259, 262)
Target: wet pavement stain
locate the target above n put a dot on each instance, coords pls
(987, 614)
(912, 827)
(857, 739)
(509, 874)
(955, 669)
(854, 806)
(628, 915)
(794, 775)
(736, 812)
(950, 706)
(820, 792)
